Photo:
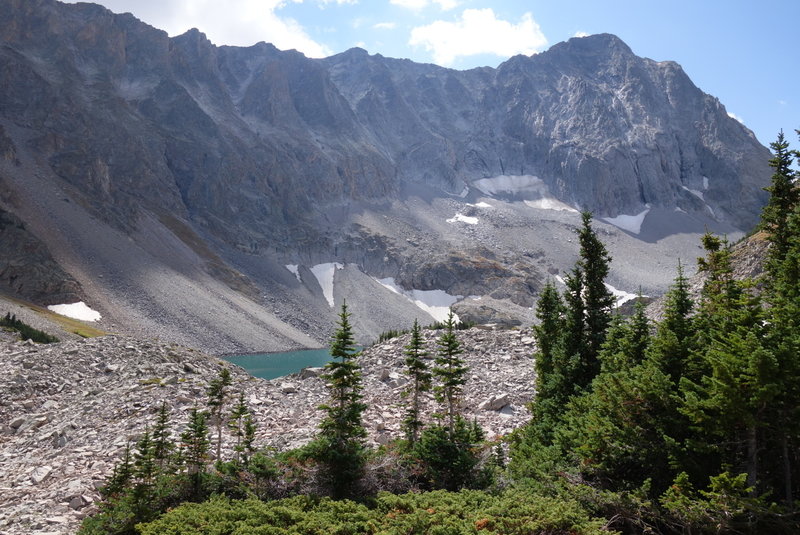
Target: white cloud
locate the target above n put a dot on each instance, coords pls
(234, 22)
(782, 102)
(581, 34)
(416, 5)
(734, 116)
(478, 32)
(384, 26)
(447, 5)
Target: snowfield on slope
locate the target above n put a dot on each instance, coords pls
(78, 311)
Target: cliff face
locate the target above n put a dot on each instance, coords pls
(226, 134)
(606, 130)
(255, 151)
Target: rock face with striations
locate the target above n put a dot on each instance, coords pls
(255, 158)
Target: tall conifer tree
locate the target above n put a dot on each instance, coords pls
(341, 431)
(420, 376)
(451, 372)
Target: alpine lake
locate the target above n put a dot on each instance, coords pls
(274, 365)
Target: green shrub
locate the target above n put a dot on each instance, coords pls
(26, 332)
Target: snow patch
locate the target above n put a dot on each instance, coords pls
(550, 204)
(481, 205)
(324, 274)
(464, 219)
(435, 302)
(705, 183)
(620, 295)
(535, 192)
(696, 193)
(631, 223)
(294, 268)
(78, 311)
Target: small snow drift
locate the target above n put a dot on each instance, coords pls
(463, 219)
(78, 311)
(621, 296)
(435, 302)
(324, 274)
(550, 203)
(530, 188)
(631, 223)
(294, 269)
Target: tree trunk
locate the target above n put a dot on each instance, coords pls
(752, 459)
(787, 471)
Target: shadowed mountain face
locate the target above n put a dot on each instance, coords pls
(235, 162)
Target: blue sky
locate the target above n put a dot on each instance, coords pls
(742, 51)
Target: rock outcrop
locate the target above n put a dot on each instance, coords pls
(28, 270)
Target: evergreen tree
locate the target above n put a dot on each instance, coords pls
(450, 371)
(675, 334)
(238, 424)
(739, 378)
(248, 439)
(549, 334)
(450, 457)
(341, 431)
(598, 299)
(195, 448)
(574, 327)
(417, 371)
(121, 476)
(553, 367)
(784, 199)
(637, 339)
(162, 439)
(783, 336)
(144, 463)
(217, 397)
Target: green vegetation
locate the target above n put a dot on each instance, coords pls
(420, 381)
(690, 425)
(340, 446)
(26, 332)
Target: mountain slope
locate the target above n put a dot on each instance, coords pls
(176, 180)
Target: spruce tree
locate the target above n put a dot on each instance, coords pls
(237, 424)
(341, 439)
(144, 463)
(417, 371)
(217, 397)
(121, 476)
(783, 337)
(195, 448)
(575, 325)
(784, 199)
(162, 440)
(551, 361)
(450, 371)
(675, 335)
(549, 334)
(598, 299)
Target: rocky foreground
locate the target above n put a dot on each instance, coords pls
(68, 410)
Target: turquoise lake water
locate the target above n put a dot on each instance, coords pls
(272, 365)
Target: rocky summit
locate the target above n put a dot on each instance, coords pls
(68, 410)
(230, 198)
